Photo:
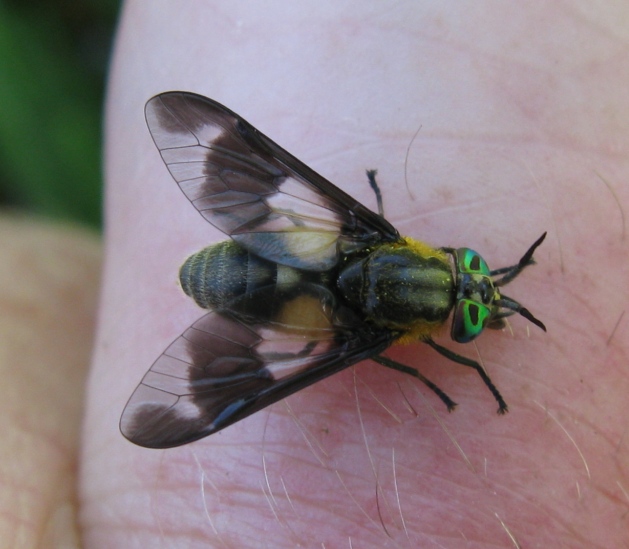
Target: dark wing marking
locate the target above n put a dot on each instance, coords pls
(223, 369)
(253, 190)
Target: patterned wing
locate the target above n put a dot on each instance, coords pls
(253, 190)
(223, 369)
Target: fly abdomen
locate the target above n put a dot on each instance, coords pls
(223, 272)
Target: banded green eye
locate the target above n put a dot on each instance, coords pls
(471, 262)
(469, 319)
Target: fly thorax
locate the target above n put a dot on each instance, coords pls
(395, 287)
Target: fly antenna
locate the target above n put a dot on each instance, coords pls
(511, 304)
(515, 270)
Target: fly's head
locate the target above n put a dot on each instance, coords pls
(479, 301)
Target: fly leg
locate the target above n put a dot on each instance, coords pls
(450, 404)
(502, 405)
(371, 175)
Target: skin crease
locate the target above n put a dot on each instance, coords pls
(523, 112)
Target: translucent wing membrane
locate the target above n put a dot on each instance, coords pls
(223, 369)
(253, 190)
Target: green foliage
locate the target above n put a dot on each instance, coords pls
(53, 59)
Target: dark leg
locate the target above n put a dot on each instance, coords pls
(450, 404)
(371, 175)
(502, 405)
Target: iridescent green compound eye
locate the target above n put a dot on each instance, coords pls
(470, 317)
(471, 262)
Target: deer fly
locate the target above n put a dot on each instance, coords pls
(310, 282)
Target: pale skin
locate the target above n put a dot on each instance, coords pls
(523, 116)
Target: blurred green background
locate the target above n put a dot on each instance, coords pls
(54, 57)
